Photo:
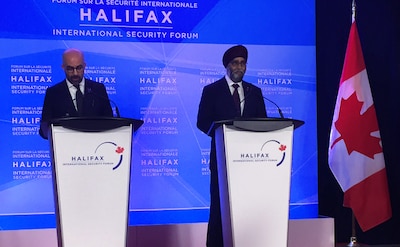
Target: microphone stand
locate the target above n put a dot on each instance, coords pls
(277, 107)
(248, 89)
(90, 91)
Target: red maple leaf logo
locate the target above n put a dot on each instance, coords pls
(119, 150)
(282, 148)
(355, 129)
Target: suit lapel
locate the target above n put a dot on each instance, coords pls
(247, 92)
(226, 95)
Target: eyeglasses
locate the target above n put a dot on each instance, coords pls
(71, 69)
(237, 63)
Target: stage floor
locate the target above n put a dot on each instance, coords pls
(318, 232)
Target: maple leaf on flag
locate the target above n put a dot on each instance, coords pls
(354, 127)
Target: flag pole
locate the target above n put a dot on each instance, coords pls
(353, 238)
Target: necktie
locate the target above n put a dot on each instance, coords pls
(79, 100)
(236, 99)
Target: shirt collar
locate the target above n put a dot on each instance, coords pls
(81, 84)
(230, 82)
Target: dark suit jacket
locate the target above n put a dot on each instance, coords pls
(217, 104)
(58, 103)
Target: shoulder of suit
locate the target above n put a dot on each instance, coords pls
(93, 83)
(217, 83)
(59, 85)
(248, 84)
(88, 81)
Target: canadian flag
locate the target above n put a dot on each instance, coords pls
(355, 150)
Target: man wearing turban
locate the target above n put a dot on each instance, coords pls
(218, 103)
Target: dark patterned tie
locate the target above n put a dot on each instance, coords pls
(236, 99)
(79, 100)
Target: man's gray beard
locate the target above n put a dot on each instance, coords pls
(236, 77)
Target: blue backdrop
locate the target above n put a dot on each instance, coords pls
(154, 58)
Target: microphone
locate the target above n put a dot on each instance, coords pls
(277, 107)
(249, 91)
(90, 91)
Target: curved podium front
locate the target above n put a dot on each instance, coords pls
(91, 159)
(254, 159)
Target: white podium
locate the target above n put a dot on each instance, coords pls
(91, 159)
(254, 159)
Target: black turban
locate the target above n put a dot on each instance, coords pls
(234, 52)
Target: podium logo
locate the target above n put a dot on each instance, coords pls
(276, 149)
(118, 150)
(272, 152)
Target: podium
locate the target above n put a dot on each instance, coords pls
(91, 159)
(254, 158)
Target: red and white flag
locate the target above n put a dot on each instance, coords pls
(355, 148)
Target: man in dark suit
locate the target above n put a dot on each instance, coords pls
(74, 96)
(218, 103)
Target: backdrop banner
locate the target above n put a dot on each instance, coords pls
(154, 57)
